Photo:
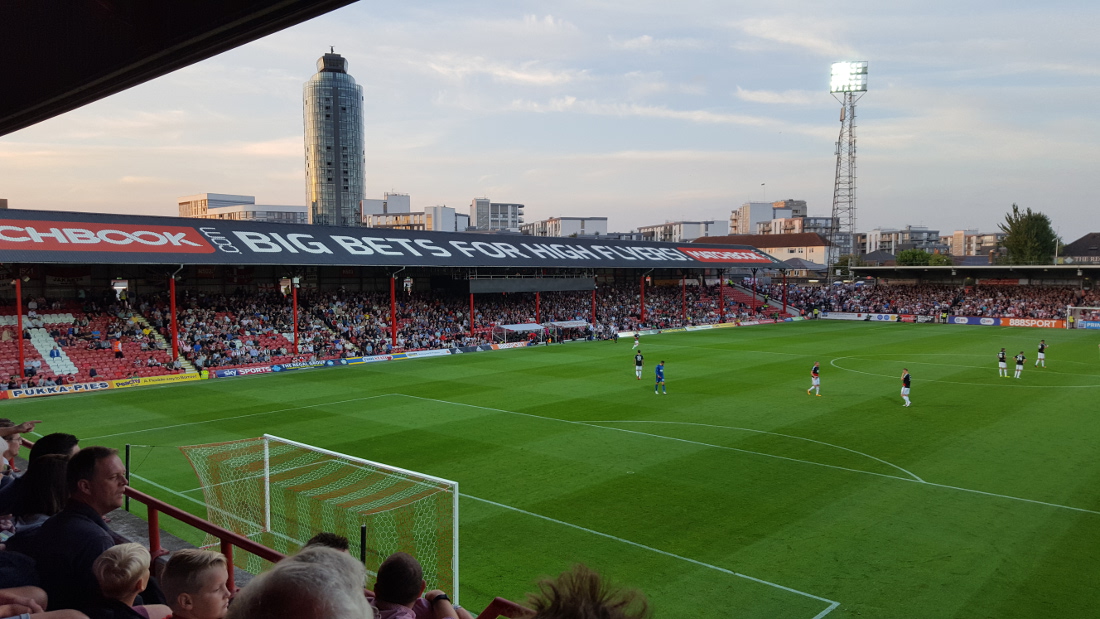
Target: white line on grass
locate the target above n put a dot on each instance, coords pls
(195, 423)
(800, 438)
(661, 436)
(830, 466)
(831, 603)
(952, 382)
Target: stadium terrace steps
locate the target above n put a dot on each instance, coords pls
(43, 343)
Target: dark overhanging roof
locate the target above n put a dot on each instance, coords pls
(1091, 270)
(63, 237)
(57, 55)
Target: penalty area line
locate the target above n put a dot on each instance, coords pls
(832, 604)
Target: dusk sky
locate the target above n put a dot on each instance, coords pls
(640, 111)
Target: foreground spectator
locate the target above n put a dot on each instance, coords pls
(12, 495)
(194, 582)
(399, 589)
(42, 492)
(582, 594)
(123, 572)
(316, 583)
(28, 603)
(66, 546)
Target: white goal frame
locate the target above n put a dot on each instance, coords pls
(268, 438)
(1071, 311)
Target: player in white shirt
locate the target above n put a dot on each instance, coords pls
(1042, 358)
(815, 379)
(636, 342)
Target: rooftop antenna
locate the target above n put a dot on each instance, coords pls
(332, 49)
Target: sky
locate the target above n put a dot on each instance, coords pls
(641, 111)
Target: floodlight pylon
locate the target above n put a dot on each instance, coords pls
(849, 83)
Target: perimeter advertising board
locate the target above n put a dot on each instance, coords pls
(93, 238)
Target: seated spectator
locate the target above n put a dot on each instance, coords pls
(123, 572)
(399, 588)
(42, 491)
(328, 540)
(11, 496)
(66, 545)
(28, 603)
(194, 583)
(581, 593)
(92, 373)
(55, 353)
(316, 583)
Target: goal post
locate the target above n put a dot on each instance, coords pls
(281, 492)
(1082, 317)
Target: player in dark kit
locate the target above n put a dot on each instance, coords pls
(815, 379)
(905, 382)
(660, 379)
(639, 360)
(1002, 363)
(1020, 358)
(1042, 358)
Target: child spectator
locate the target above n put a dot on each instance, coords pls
(123, 573)
(194, 581)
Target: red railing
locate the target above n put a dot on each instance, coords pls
(499, 607)
(228, 539)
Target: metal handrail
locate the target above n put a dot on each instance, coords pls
(228, 538)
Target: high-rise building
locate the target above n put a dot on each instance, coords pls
(743, 220)
(683, 231)
(333, 105)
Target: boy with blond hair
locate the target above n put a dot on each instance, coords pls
(194, 581)
(122, 572)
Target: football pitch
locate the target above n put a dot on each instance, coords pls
(735, 495)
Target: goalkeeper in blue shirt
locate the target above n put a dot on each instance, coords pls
(660, 379)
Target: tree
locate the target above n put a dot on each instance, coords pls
(1030, 237)
(913, 258)
(940, 260)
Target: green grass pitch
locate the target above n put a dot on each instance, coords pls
(736, 495)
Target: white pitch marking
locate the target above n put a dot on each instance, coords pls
(195, 423)
(952, 382)
(660, 436)
(801, 438)
(832, 604)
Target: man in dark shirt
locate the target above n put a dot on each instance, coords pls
(905, 381)
(66, 545)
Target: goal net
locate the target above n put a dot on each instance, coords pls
(280, 493)
(1083, 317)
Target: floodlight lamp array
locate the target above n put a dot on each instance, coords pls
(849, 77)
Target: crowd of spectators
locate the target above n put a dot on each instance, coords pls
(938, 299)
(246, 327)
(62, 560)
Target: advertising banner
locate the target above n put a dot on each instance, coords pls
(509, 345)
(36, 392)
(843, 316)
(153, 380)
(97, 238)
(1088, 324)
(230, 373)
(973, 320)
(307, 365)
(1033, 322)
(925, 319)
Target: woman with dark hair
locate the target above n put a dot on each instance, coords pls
(44, 492)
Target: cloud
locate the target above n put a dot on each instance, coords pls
(818, 37)
(582, 106)
(789, 97)
(291, 146)
(459, 67)
(648, 44)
